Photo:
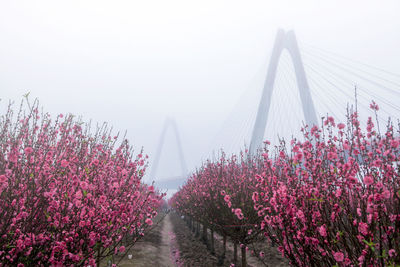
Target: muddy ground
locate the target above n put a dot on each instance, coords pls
(194, 252)
(152, 250)
(172, 243)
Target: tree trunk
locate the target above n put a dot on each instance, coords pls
(224, 249)
(204, 233)
(98, 256)
(235, 252)
(244, 263)
(212, 242)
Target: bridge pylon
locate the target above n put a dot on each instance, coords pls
(169, 124)
(284, 40)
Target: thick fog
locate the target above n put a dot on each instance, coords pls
(135, 63)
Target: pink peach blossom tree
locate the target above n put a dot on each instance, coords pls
(334, 198)
(69, 194)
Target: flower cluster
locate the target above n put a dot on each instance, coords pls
(334, 198)
(331, 199)
(69, 195)
(219, 195)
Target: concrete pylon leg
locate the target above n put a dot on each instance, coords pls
(169, 123)
(283, 40)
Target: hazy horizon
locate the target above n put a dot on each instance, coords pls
(135, 63)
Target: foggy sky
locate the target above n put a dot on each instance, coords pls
(133, 63)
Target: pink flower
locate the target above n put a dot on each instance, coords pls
(149, 221)
(227, 198)
(28, 150)
(359, 212)
(102, 199)
(300, 214)
(84, 185)
(64, 163)
(78, 194)
(341, 126)
(392, 253)
(121, 249)
(338, 193)
(361, 259)
(374, 106)
(255, 197)
(77, 203)
(239, 214)
(386, 193)
(339, 257)
(3, 179)
(322, 230)
(368, 180)
(363, 228)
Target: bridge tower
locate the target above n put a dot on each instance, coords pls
(284, 40)
(169, 124)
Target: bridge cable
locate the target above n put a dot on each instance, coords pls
(351, 60)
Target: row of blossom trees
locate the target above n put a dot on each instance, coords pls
(331, 199)
(69, 194)
(218, 196)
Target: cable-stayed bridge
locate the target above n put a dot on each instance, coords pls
(176, 181)
(300, 84)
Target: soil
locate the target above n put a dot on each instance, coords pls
(172, 243)
(152, 250)
(194, 251)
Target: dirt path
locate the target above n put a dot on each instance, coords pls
(165, 246)
(172, 244)
(153, 249)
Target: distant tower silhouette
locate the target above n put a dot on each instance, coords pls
(284, 40)
(169, 123)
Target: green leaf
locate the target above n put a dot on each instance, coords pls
(370, 244)
(366, 242)
(317, 199)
